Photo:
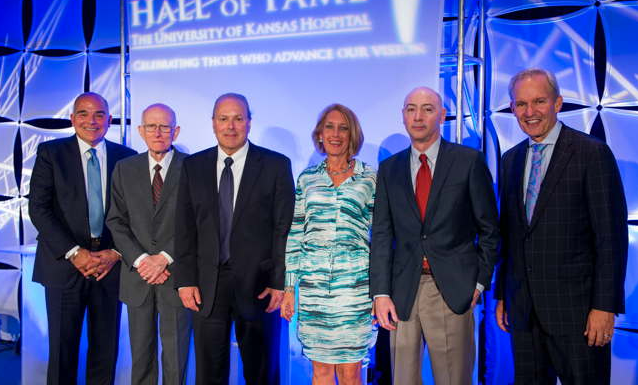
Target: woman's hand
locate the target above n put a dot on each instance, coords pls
(288, 306)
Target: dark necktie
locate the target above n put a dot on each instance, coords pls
(96, 206)
(226, 191)
(158, 183)
(423, 184)
(535, 180)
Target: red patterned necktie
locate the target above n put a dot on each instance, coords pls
(423, 184)
(158, 183)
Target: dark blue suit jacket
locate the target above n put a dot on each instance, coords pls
(58, 208)
(459, 236)
(572, 257)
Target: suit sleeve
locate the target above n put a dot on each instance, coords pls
(485, 216)
(499, 276)
(283, 207)
(42, 196)
(381, 252)
(608, 213)
(119, 220)
(185, 256)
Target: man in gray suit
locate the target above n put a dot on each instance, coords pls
(144, 192)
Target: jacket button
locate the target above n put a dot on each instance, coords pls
(529, 269)
(424, 236)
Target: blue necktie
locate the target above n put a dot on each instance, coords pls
(535, 180)
(96, 206)
(226, 191)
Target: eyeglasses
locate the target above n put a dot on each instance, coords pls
(165, 129)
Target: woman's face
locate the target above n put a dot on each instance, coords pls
(335, 134)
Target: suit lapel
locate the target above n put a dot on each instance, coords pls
(142, 173)
(517, 175)
(77, 179)
(171, 180)
(111, 158)
(441, 170)
(560, 158)
(249, 177)
(404, 177)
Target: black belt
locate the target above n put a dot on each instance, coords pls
(95, 243)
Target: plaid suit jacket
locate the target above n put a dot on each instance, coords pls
(572, 256)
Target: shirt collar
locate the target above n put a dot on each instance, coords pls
(239, 154)
(165, 162)
(84, 146)
(432, 152)
(552, 136)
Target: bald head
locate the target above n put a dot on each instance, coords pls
(423, 114)
(162, 108)
(423, 91)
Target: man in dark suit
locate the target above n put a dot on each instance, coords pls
(564, 225)
(141, 219)
(434, 244)
(233, 215)
(74, 259)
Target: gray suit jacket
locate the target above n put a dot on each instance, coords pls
(138, 227)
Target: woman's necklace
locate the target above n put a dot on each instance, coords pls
(348, 167)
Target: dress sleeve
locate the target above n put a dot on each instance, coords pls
(296, 235)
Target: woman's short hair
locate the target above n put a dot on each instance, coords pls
(356, 134)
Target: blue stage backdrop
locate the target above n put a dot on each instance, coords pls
(291, 58)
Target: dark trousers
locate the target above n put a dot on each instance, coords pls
(65, 314)
(258, 340)
(540, 357)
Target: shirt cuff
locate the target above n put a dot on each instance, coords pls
(480, 287)
(139, 259)
(167, 256)
(380, 296)
(70, 253)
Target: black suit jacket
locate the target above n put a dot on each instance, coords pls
(261, 221)
(58, 208)
(459, 235)
(572, 256)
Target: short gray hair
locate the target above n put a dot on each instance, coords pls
(528, 73)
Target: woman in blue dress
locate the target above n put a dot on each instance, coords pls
(327, 253)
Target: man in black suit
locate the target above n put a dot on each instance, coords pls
(233, 215)
(74, 260)
(141, 219)
(434, 244)
(564, 225)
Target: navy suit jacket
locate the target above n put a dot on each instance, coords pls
(58, 208)
(261, 221)
(572, 256)
(459, 236)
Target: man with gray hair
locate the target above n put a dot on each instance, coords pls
(141, 219)
(564, 251)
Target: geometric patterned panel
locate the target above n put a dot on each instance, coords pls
(11, 22)
(622, 137)
(500, 7)
(105, 79)
(630, 320)
(581, 119)
(621, 76)
(450, 34)
(9, 81)
(508, 131)
(8, 185)
(52, 83)
(107, 25)
(563, 45)
(31, 137)
(9, 214)
(57, 24)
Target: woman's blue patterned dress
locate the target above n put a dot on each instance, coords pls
(328, 253)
